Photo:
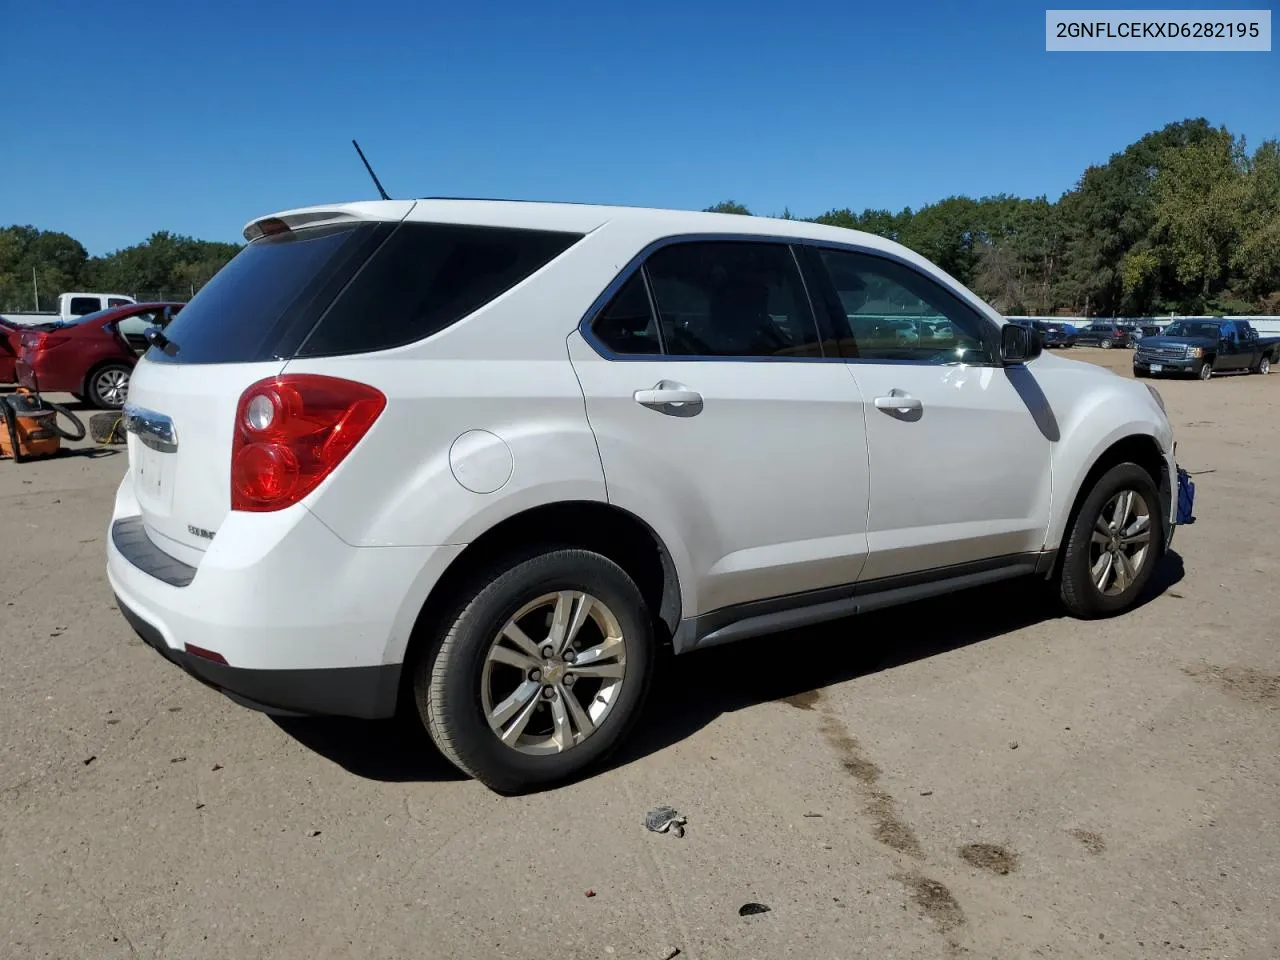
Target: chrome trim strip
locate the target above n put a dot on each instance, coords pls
(152, 429)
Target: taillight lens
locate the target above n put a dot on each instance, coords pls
(291, 431)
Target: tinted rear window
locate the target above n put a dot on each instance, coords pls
(266, 299)
(352, 289)
(426, 277)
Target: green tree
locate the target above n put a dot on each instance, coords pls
(728, 206)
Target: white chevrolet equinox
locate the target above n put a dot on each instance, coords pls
(479, 460)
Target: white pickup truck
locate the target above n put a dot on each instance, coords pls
(71, 306)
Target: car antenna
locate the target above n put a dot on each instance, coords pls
(376, 182)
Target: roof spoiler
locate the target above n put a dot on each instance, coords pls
(286, 222)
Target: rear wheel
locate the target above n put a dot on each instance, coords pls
(540, 673)
(108, 386)
(1106, 344)
(1112, 548)
(1264, 366)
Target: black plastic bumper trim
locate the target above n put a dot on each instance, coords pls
(367, 693)
(136, 547)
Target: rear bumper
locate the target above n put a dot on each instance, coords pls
(305, 622)
(365, 692)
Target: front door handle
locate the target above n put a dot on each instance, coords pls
(663, 394)
(899, 402)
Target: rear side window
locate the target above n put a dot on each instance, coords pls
(732, 299)
(426, 277)
(83, 305)
(626, 325)
(117, 302)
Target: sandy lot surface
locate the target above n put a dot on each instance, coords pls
(975, 776)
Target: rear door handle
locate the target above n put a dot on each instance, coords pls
(899, 402)
(661, 396)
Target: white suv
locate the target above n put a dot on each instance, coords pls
(481, 459)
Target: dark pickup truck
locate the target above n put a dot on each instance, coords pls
(1202, 348)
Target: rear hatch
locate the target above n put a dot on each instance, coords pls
(241, 327)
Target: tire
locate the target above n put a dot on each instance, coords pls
(108, 385)
(1205, 370)
(106, 428)
(1264, 366)
(458, 685)
(1106, 344)
(1084, 559)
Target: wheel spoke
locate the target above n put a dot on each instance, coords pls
(563, 734)
(512, 733)
(1124, 571)
(1100, 527)
(571, 612)
(522, 640)
(523, 695)
(1137, 532)
(580, 718)
(1102, 570)
(513, 658)
(610, 648)
(608, 671)
(1123, 510)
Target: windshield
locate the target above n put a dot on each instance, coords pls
(1183, 328)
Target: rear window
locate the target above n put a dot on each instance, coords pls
(81, 305)
(352, 289)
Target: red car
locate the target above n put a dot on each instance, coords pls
(91, 357)
(8, 350)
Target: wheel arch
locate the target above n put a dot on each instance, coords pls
(1135, 447)
(593, 525)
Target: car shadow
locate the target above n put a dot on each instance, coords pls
(693, 690)
(390, 751)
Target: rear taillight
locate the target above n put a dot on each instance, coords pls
(291, 431)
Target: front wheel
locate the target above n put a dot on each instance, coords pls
(1205, 370)
(1113, 546)
(541, 673)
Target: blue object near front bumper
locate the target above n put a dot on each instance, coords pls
(1186, 498)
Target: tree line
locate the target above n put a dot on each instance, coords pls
(1184, 220)
(47, 263)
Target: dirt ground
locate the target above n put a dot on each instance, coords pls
(976, 776)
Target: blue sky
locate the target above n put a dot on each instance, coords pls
(131, 117)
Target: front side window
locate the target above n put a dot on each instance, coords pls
(732, 299)
(894, 312)
(117, 302)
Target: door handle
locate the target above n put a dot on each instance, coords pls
(899, 403)
(661, 396)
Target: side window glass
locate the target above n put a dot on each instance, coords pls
(896, 313)
(116, 302)
(732, 299)
(627, 325)
(82, 305)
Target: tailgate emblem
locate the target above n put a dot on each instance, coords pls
(200, 532)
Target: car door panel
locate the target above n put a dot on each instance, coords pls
(756, 466)
(958, 446)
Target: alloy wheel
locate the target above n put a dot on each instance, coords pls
(1120, 543)
(553, 673)
(112, 386)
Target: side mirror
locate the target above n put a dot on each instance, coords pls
(1019, 344)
